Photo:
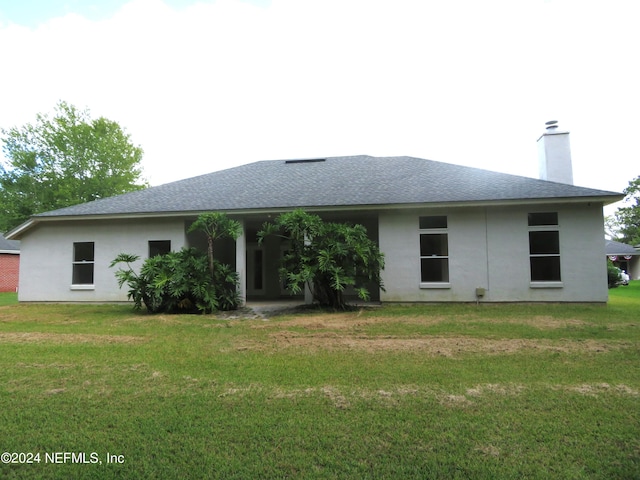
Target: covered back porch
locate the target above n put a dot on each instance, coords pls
(258, 264)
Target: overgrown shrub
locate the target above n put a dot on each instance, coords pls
(327, 257)
(613, 274)
(179, 282)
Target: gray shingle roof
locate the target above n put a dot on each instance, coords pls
(332, 182)
(617, 248)
(9, 245)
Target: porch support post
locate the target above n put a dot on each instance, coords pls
(308, 296)
(241, 264)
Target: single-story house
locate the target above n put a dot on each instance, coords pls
(449, 233)
(625, 257)
(9, 264)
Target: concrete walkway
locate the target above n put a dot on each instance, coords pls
(263, 309)
(276, 307)
(267, 309)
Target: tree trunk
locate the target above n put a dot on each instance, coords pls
(327, 296)
(210, 255)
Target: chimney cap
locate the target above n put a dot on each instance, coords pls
(551, 124)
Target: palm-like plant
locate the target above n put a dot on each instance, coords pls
(216, 225)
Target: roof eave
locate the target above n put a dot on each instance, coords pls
(17, 232)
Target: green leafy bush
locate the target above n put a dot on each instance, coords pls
(188, 280)
(327, 257)
(613, 274)
(179, 282)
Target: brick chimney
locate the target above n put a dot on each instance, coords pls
(554, 154)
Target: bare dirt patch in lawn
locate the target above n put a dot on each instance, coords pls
(430, 345)
(355, 321)
(346, 321)
(40, 337)
(9, 318)
(55, 391)
(348, 331)
(545, 322)
(57, 366)
(344, 397)
(488, 450)
(495, 388)
(594, 389)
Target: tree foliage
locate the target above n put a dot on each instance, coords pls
(188, 280)
(627, 218)
(216, 225)
(64, 160)
(326, 257)
(178, 282)
(613, 274)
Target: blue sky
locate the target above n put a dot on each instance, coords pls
(32, 13)
(212, 84)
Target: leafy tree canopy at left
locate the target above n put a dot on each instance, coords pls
(64, 159)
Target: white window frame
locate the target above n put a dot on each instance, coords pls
(545, 228)
(74, 263)
(434, 231)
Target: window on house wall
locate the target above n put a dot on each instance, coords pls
(159, 247)
(434, 249)
(544, 247)
(83, 263)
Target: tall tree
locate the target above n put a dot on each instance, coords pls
(628, 218)
(64, 160)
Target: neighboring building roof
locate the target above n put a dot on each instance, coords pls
(616, 248)
(9, 246)
(331, 182)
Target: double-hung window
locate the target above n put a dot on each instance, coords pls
(434, 251)
(83, 263)
(544, 247)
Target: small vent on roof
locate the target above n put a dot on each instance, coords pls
(306, 160)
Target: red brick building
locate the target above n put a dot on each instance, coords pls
(9, 264)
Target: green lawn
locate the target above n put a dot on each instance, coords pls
(8, 298)
(433, 391)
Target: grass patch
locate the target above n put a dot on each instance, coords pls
(432, 391)
(629, 292)
(8, 298)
